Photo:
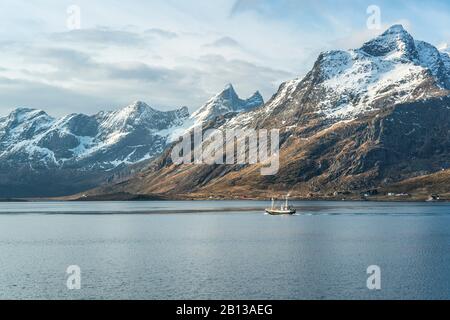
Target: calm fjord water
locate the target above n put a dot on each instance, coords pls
(224, 250)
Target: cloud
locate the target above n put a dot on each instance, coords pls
(259, 6)
(64, 57)
(99, 36)
(246, 76)
(172, 53)
(94, 69)
(55, 100)
(224, 42)
(356, 38)
(161, 33)
(140, 71)
(75, 81)
(103, 36)
(80, 65)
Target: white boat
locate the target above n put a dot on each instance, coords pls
(284, 209)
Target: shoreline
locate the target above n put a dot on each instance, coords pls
(197, 199)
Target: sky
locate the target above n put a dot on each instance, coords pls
(86, 56)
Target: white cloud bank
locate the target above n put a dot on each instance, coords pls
(170, 53)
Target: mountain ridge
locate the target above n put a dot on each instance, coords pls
(227, 101)
(102, 147)
(60, 142)
(360, 120)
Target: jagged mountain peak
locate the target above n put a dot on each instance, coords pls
(395, 42)
(360, 119)
(137, 114)
(394, 32)
(228, 93)
(229, 86)
(23, 122)
(22, 110)
(225, 102)
(256, 95)
(396, 29)
(101, 142)
(138, 104)
(137, 108)
(392, 68)
(254, 101)
(143, 111)
(24, 113)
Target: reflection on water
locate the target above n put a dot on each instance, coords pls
(224, 250)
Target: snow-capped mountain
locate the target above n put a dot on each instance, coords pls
(77, 152)
(361, 121)
(103, 141)
(226, 102)
(392, 68)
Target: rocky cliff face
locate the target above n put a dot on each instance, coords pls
(362, 119)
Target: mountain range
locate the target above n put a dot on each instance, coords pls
(364, 122)
(44, 156)
(367, 122)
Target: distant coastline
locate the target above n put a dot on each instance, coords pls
(14, 200)
(149, 198)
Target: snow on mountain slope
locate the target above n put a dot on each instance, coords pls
(225, 102)
(363, 80)
(103, 141)
(394, 44)
(108, 139)
(390, 69)
(23, 123)
(19, 133)
(359, 120)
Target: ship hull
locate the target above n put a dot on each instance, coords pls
(280, 212)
